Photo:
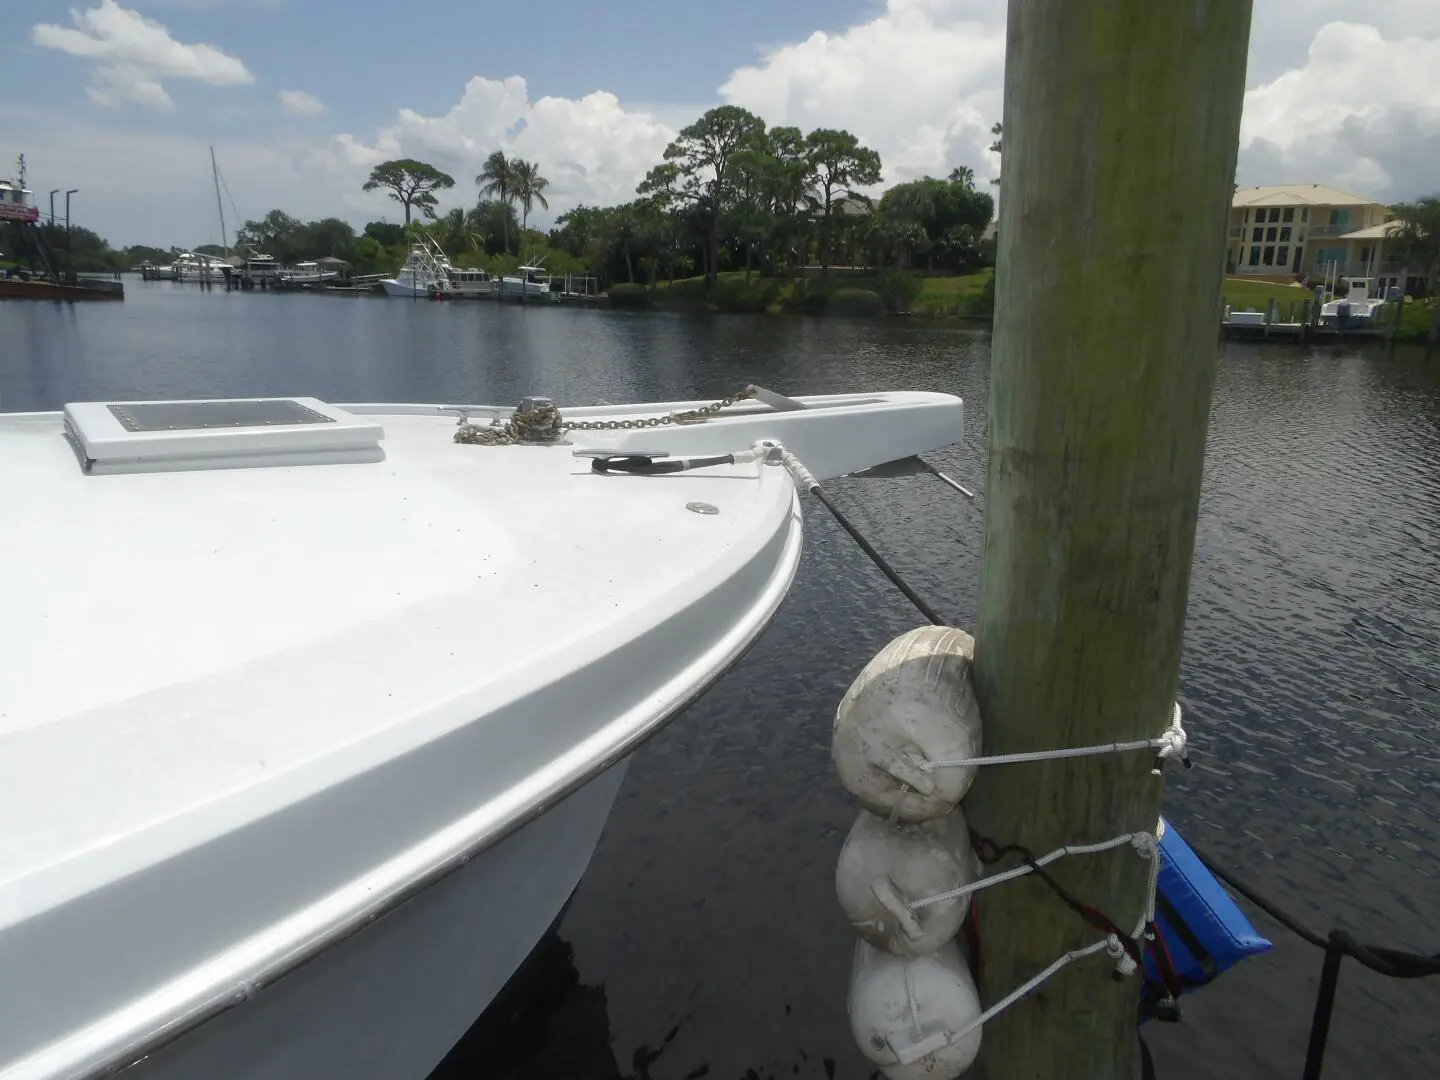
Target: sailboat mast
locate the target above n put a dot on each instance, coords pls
(215, 174)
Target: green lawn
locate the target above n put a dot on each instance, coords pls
(963, 295)
(1245, 295)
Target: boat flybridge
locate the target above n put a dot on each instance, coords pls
(311, 715)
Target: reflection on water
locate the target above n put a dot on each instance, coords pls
(544, 1024)
(706, 935)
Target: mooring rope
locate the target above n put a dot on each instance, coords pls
(1338, 944)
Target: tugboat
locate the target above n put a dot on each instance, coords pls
(15, 201)
(42, 280)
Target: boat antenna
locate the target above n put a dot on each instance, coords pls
(22, 172)
(215, 174)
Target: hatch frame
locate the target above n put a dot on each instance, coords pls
(108, 441)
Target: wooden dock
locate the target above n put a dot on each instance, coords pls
(1302, 321)
(16, 288)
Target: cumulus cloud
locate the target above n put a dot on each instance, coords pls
(591, 149)
(921, 83)
(1336, 95)
(1362, 112)
(299, 103)
(132, 54)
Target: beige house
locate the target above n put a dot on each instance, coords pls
(1280, 232)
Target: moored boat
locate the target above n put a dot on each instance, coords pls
(529, 283)
(422, 274)
(358, 697)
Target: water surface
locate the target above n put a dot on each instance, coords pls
(705, 939)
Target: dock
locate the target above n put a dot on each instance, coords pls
(34, 288)
(1304, 319)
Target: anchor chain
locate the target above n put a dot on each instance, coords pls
(543, 423)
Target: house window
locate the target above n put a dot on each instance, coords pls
(1304, 213)
(1285, 234)
(1269, 255)
(1257, 235)
(1255, 256)
(1296, 266)
(1365, 255)
(1339, 217)
(1271, 232)
(1282, 255)
(1289, 215)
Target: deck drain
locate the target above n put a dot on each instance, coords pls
(702, 508)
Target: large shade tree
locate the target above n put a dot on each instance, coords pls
(699, 171)
(411, 183)
(840, 166)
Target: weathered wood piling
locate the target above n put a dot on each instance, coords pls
(1121, 124)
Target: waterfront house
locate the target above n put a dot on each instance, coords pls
(1280, 232)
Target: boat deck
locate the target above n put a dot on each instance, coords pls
(238, 707)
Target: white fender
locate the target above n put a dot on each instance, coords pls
(884, 865)
(945, 1002)
(912, 703)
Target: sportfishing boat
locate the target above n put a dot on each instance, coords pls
(359, 688)
(423, 274)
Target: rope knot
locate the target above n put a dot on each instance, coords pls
(1145, 844)
(1172, 744)
(1125, 965)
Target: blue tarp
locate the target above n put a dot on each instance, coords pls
(1204, 932)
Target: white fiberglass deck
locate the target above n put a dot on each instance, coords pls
(238, 706)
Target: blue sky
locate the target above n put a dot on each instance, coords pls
(363, 61)
(122, 98)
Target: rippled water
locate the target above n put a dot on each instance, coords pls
(705, 939)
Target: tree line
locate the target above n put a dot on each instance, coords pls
(729, 193)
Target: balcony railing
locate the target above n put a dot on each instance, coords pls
(1320, 232)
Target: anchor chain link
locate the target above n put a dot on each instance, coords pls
(544, 424)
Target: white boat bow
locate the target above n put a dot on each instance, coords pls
(245, 712)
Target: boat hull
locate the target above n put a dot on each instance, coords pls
(391, 1000)
(400, 288)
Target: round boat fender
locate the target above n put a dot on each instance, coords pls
(911, 704)
(909, 1026)
(885, 866)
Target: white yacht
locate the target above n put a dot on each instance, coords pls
(307, 273)
(260, 268)
(311, 715)
(469, 282)
(193, 266)
(530, 283)
(423, 274)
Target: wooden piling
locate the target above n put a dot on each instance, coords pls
(1116, 112)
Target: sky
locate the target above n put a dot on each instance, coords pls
(122, 99)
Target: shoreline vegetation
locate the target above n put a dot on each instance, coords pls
(736, 217)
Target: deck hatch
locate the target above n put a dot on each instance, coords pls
(221, 433)
(198, 415)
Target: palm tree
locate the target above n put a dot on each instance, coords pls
(528, 187)
(497, 180)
